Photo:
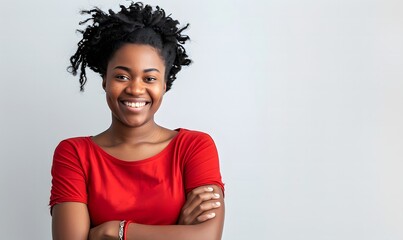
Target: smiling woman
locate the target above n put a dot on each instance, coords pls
(135, 180)
(134, 84)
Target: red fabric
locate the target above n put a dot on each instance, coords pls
(150, 191)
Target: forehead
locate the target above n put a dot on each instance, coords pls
(137, 55)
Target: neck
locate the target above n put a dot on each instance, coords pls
(120, 133)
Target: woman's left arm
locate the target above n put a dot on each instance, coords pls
(211, 229)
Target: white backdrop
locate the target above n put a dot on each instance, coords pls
(303, 98)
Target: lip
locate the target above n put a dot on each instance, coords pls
(134, 101)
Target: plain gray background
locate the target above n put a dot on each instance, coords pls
(303, 98)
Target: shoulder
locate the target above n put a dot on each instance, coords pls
(74, 153)
(74, 143)
(192, 141)
(187, 136)
(193, 134)
(77, 139)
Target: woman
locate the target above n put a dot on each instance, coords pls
(135, 180)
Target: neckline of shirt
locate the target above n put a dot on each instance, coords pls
(136, 162)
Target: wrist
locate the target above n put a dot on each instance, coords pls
(111, 232)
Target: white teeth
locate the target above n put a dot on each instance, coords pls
(135, 104)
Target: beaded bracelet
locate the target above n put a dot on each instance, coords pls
(122, 224)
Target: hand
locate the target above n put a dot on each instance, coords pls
(105, 231)
(199, 206)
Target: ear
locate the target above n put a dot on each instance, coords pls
(165, 87)
(104, 82)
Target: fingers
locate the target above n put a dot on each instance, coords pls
(201, 202)
(200, 205)
(205, 217)
(207, 214)
(200, 213)
(197, 191)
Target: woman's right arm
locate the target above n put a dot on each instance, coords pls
(70, 221)
(70, 217)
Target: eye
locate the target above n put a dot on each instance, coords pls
(122, 77)
(150, 79)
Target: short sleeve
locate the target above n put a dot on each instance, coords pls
(202, 163)
(68, 178)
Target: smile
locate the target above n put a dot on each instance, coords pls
(134, 104)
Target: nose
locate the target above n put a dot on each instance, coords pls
(135, 87)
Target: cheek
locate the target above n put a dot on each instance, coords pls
(158, 95)
(112, 90)
(109, 101)
(111, 96)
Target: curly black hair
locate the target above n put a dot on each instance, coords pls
(137, 23)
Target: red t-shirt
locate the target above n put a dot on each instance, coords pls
(150, 191)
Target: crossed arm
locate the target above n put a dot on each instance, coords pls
(202, 217)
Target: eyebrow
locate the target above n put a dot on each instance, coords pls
(129, 70)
